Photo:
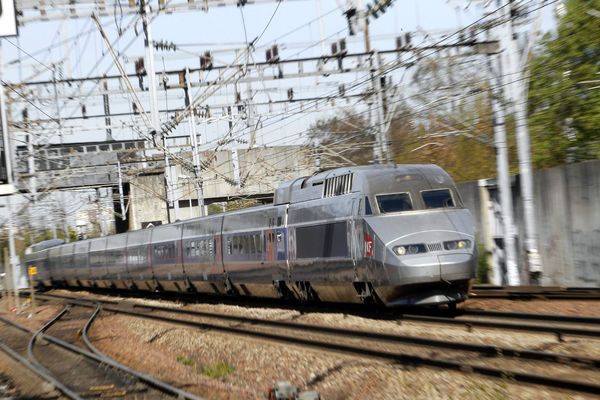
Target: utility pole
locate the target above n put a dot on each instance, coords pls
(381, 153)
(502, 166)
(510, 252)
(155, 119)
(383, 134)
(58, 121)
(375, 117)
(195, 153)
(516, 82)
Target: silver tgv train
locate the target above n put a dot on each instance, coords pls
(397, 235)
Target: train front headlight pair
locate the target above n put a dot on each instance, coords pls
(457, 244)
(410, 249)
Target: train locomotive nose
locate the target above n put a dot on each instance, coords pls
(428, 273)
(436, 255)
(425, 266)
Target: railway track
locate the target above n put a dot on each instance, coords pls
(557, 325)
(78, 373)
(484, 360)
(534, 292)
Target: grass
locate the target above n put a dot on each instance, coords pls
(185, 360)
(217, 371)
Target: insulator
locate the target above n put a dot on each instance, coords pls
(206, 61)
(139, 66)
(343, 50)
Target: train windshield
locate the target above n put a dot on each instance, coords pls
(390, 203)
(441, 198)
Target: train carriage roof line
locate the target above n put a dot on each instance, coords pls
(344, 180)
(46, 244)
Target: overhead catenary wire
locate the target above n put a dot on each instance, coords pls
(290, 110)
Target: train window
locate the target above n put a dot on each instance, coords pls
(440, 198)
(246, 244)
(368, 210)
(278, 221)
(253, 244)
(164, 251)
(190, 250)
(258, 239)
(229, 246)
(327, 240)
(389, 203)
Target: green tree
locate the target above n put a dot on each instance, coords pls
(564, 100)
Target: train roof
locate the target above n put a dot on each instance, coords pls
(43, 245)
(365, 178)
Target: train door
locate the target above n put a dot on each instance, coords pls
(364, 241)
(276, 245)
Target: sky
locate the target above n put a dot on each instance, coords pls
(292, 24)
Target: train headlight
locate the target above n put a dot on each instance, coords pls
(410, 249)
(457, 244)
(400, 250)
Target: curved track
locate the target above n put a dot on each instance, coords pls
(369, 344)
(54, 359)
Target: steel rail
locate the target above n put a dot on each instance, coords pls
(488, 350)
(40, 371)
(470, 323)
(366, 352)
(105, 360)
(34, 361)
(531, 316)
(527, 292)
(558, 331)
(150, 380)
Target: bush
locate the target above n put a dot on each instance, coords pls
(482, 265)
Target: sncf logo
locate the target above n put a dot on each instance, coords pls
(368, 245)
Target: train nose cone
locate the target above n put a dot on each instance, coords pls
(413, 269)
(457, 266)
